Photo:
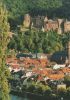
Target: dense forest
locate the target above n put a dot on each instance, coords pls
(19, 7)
(38, 41)
(51, 8)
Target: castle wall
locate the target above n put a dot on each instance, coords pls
(38, 22)
(67, 26)
(51, 25)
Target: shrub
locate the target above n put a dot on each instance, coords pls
(62, 92)
(24, 88)
(31, 88)
(47, 91)
(68, 91)
(67, 80)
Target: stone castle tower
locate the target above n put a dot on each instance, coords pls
(27, 21)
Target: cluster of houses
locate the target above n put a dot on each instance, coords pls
(37, 66)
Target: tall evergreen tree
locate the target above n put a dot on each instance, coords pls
(4, 39)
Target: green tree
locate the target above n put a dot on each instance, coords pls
(20, 7)
(52, 42)
(67, 80)
(68, 91)
(37, 41)
(4, 39)
(62, 92)
(65, 39)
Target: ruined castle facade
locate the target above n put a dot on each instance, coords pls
(45, 24)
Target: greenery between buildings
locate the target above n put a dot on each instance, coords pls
(45, 90)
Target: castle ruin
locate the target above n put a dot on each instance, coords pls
(41, 22)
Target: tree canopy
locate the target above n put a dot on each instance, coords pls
(4, 39)
(36, 41)
(18, 8)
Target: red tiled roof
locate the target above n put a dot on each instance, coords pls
(39, 67)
